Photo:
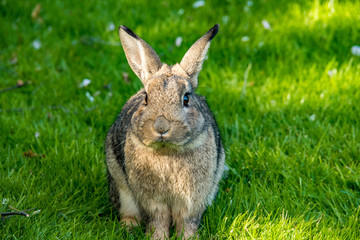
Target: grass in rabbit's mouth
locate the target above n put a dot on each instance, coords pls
(282, 78)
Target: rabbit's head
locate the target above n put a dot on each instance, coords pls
(170, 115)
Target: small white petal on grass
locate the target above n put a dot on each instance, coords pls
(355, 50)
(178, 41)
(312, 117)
(36, 212)
(322, 95)
(36, 44)
(84, 83)
(260, 44)
(37, 134)
(248, 5)
(110, 27)
(302, 100)
(125, 76)
(266, 24)
(225, 19)
(97, 93)
(198, 4)
(14, 60)
(5, 201)
(288, 97)
(245, 39)
(332, 72)
(181, 11)
(88, 95)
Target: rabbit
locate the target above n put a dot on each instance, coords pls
(164, 153)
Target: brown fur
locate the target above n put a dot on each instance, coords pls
(164, 159)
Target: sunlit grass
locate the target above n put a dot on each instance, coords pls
(285, 98)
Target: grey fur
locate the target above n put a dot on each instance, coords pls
(164, 158)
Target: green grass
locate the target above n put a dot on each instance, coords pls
(291, 132)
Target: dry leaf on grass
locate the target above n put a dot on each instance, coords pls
(31, 154)
(35, 12)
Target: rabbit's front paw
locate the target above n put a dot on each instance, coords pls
(130, 221)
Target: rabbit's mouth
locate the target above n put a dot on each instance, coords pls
(165, 141)
(163, 144)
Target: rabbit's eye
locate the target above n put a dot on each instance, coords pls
(186, 99)
(146, 99)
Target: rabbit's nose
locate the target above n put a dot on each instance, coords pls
(161, 125)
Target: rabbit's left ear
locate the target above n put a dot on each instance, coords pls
(194, 57)
(142, 59)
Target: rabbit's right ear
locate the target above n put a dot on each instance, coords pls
(142, 59)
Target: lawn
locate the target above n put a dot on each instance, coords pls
(280, 78)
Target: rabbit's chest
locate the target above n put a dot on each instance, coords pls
(162, 175)
(183, 176)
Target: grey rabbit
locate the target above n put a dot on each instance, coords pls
(164, 154)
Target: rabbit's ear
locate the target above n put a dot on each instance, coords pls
(142, 59)
(194, 57)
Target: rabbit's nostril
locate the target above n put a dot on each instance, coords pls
(161, 125)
